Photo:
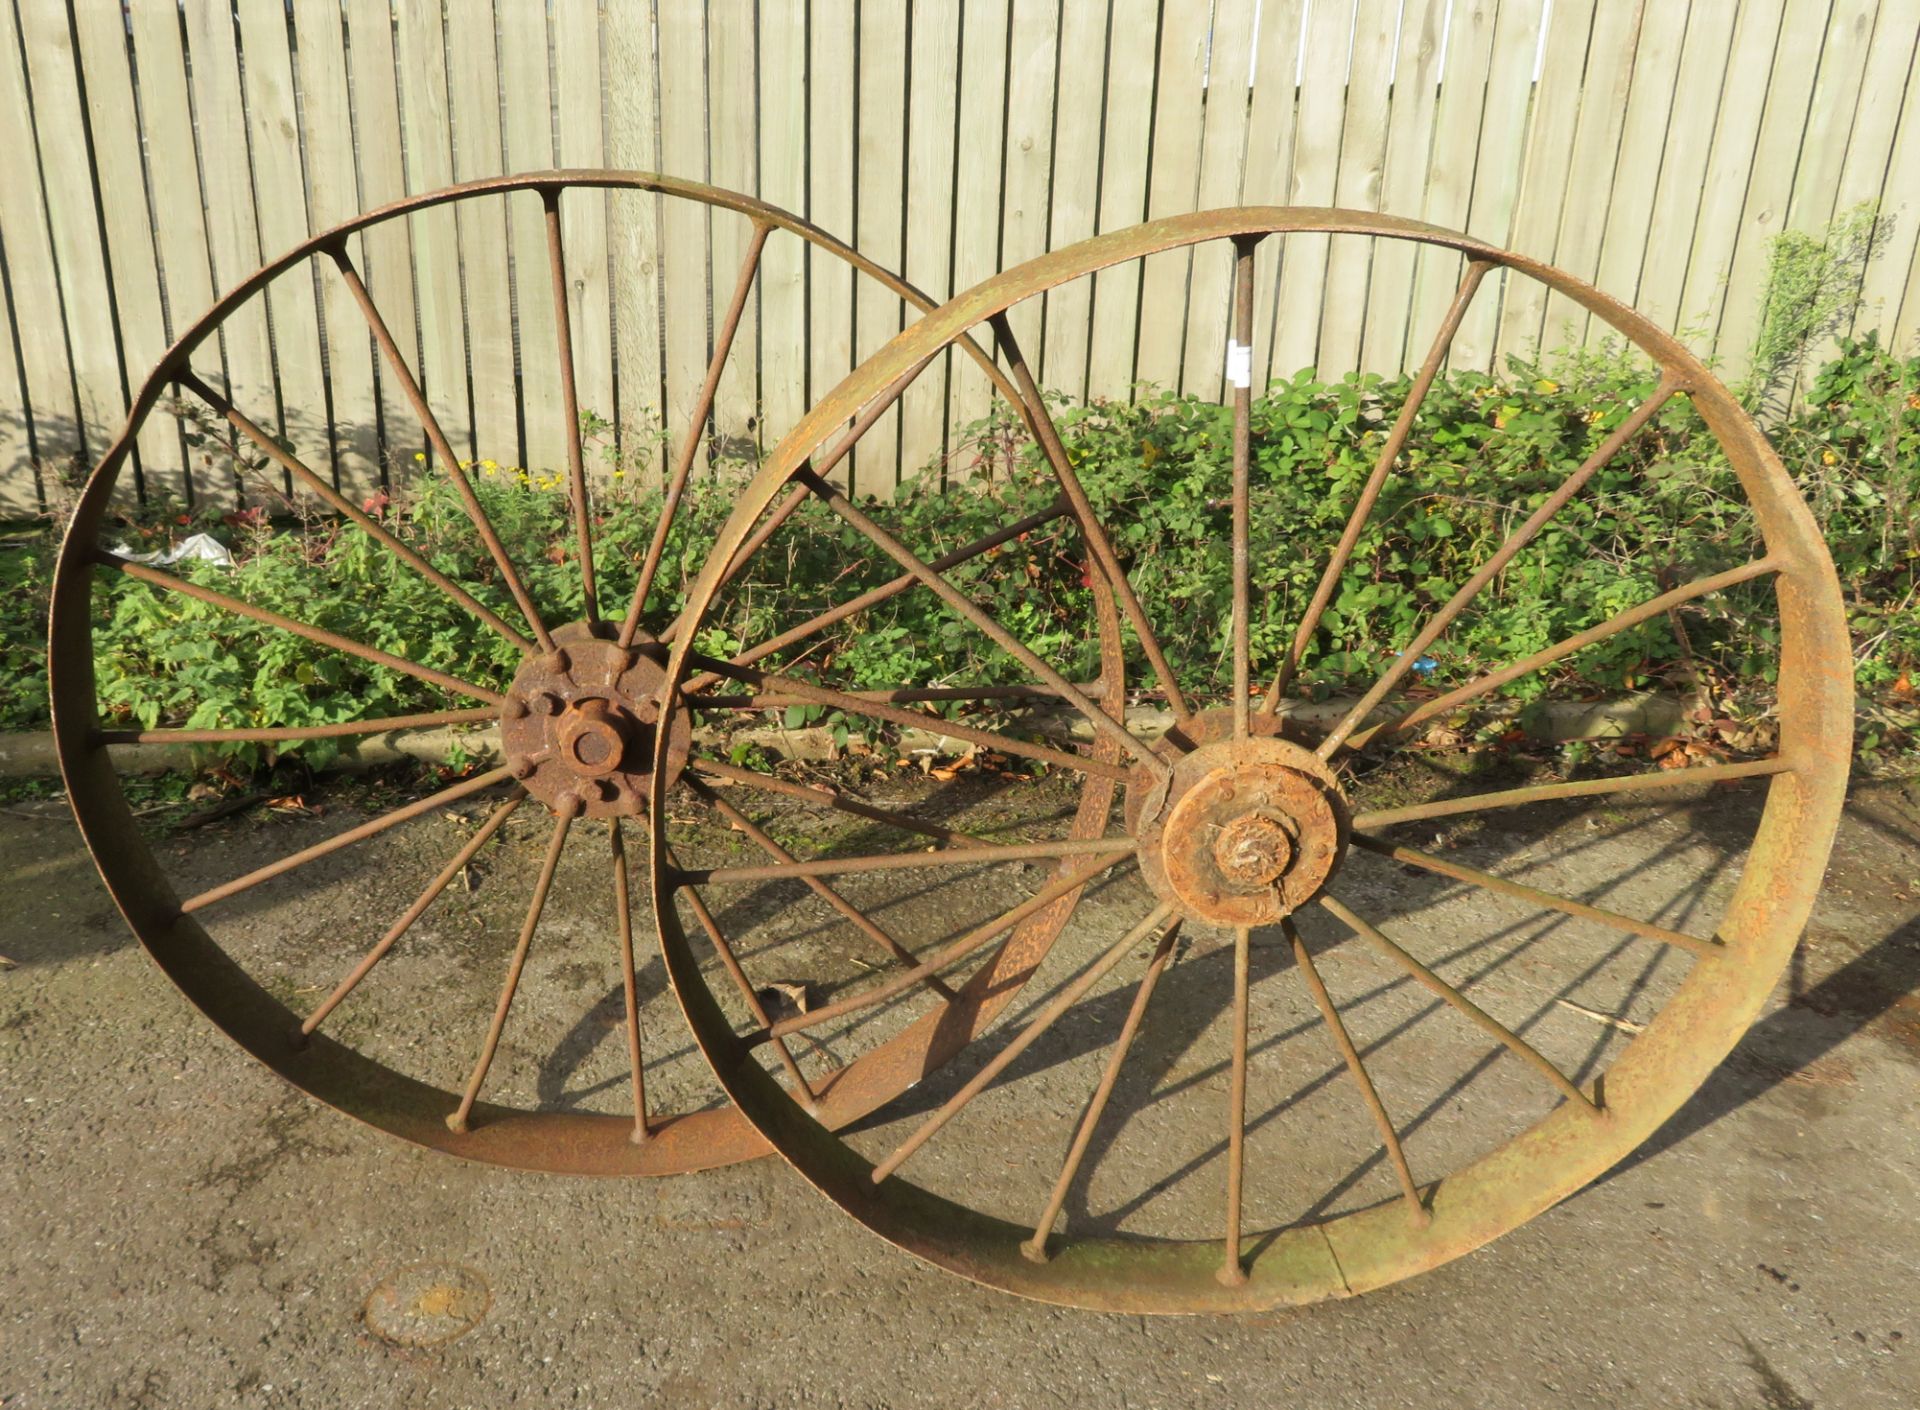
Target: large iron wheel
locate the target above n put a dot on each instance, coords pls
(1248, 830)
(578, 719)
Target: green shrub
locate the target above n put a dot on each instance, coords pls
(1485, 452)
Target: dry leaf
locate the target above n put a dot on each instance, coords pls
(783, 996)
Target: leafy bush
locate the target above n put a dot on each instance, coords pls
(1485, 452)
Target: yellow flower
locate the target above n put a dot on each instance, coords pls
(1827, 457)
(419, 455)
(489, 466)
(619, 474)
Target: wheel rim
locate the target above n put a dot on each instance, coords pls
(598, 723)
(1427, 1223)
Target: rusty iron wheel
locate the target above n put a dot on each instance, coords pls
(1248, 833)
(579, 721)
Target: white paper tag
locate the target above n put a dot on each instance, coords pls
(1239, 364)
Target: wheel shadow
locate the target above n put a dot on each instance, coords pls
(1195, 991)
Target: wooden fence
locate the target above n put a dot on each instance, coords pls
(152, 153)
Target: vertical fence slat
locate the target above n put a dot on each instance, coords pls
(19, 481)
(1886, 276)
(436, 232)
(273, 145)
(1316, 173)
(981, 119)
(186, 269)
(1636, 173)
(1457, 125)
(473, 85)
(583, 213)
(100, 30)
(1025, 187)
(333, 195)
(233, 237)
(1905, 327)
(1223, 150)
(633, 134)
(1830, 118)
(387, 249)
(527, 145)
(932, 88)
(1498, 164)
(78, 255)
(1770, 183)
(1698, 89)
(1869, 145)
(883, 74)
(1596, 145)
(1268, 179)
(783, 182)
(1172, 182)
(683, 224)
(1543, 186)
(1123, 193)
(1730, 159)
(831, 100)
(1363, 154)
(1403, 184)
(1074, 207)
(731, 163)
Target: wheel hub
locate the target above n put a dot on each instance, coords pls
(578, 723)
(1242, 832)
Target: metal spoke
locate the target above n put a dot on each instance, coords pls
(285, 734)
(413, 913)
(696, 428)
(318, 635)
(348, 838)
(913, 719)
(340, 504)
(437, 438)
(1035, 1248)
(570, 404)
(986, 856)
(1633, 616)
(1003, 1059)
(1389, 1137)
(562, 823)
(1041, 422)
(1481, 1019)
(629, 981)
(1519, 539)
(895, 695)
(1370, 493)
(1233, 1271)
(786, 862)
(1582, 788)
(1103, 723)
(977, 938)
(808, 1097)
(826, 798)
(1547, 900)
(1242, 347)
(854, 606)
